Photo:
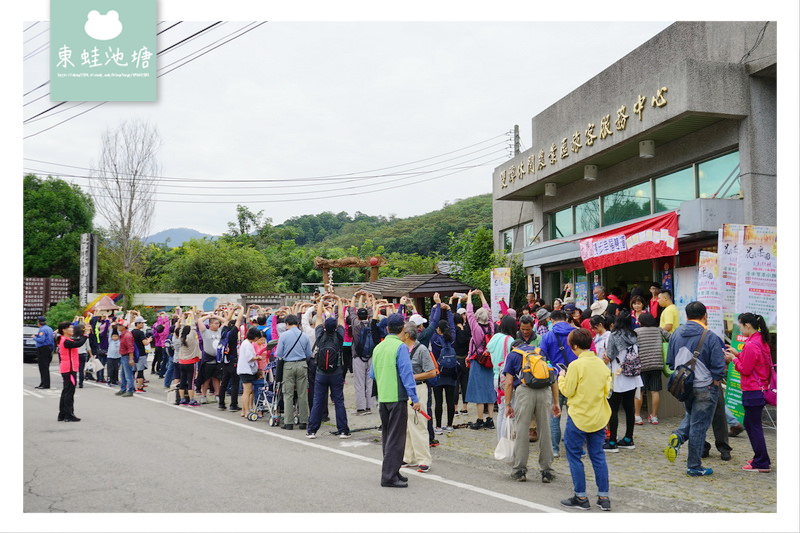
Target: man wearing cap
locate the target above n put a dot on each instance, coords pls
(391, 369)
(334, 380)
(140, 354)
(126, 351)
(44, 351)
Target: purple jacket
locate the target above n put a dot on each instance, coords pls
(160, 338)
(477, 342)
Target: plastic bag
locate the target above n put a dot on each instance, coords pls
(505, 446)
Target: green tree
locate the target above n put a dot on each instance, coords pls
(472, 254)
(64, 311)
(220, 267)
(55, 213)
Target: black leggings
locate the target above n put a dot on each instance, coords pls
(626, 399)
(450, 398)
(462, 380)
(186, 373)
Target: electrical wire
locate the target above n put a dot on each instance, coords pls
(327, 196)
(311, 178)
(293, 192)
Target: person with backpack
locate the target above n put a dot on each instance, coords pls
(330, 370)
(480, 387)
(754, 363)
(526, 400)
(555, 347)
(445, 354)
(228, 356)
(365, 338)
(622, 357)
(694, 344)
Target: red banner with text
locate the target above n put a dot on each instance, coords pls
(654, 237)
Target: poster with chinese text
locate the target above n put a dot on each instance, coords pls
(501, 288)
(708, 291)
(757, 273)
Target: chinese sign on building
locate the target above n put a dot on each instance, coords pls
(103, 51)
(654, 237)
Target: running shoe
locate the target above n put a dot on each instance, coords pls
(577, 503)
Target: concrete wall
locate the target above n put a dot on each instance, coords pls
(708, 71)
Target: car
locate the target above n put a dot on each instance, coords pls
(29, 351)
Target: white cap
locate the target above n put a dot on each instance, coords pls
(417, 319)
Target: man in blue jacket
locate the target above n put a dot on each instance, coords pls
(556, 348)
(709, 372)
(44, 352)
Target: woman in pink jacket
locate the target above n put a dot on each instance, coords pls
(754, 363)
(69, 363)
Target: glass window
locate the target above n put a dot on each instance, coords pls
(633, 202)
(530, 235)
(673, 189)
(719, 178)
(508, 241)
(587, 216)
(561, 224)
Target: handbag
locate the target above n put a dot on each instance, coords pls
(504, 451)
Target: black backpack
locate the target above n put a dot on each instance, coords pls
(329, 352)
(366, 343)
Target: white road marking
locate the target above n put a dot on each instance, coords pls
(27, 392)
(377, 462)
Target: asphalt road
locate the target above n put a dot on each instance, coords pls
(142, 455)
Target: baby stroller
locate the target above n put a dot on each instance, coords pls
(268, 397)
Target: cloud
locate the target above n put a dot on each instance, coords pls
(103, 27)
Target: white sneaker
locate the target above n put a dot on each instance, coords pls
(311, 435)
(653, 419)
(438, 431)
(448, 429)
(638, 421)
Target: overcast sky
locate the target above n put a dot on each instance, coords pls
(293, 100)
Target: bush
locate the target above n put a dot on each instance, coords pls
(63, 311)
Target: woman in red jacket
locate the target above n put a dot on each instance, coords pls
(754, 363)
(69, 363)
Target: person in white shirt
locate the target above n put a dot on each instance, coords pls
(247, 366)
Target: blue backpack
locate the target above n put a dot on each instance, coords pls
(448, 364)
(222, 348)
(366, 343)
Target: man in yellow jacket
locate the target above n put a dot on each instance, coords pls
(586, 387)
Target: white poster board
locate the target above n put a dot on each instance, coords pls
(757, 273)
(685, 289)
(708, 291)
(500, 284)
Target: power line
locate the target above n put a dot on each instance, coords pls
(327, 196)
(459, 166)
(311, 178)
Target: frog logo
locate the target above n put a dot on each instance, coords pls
(103, 27)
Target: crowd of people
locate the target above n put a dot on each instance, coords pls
(413, 370)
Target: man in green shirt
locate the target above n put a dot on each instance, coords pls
(394, 379)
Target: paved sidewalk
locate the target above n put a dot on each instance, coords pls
(642, 475)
